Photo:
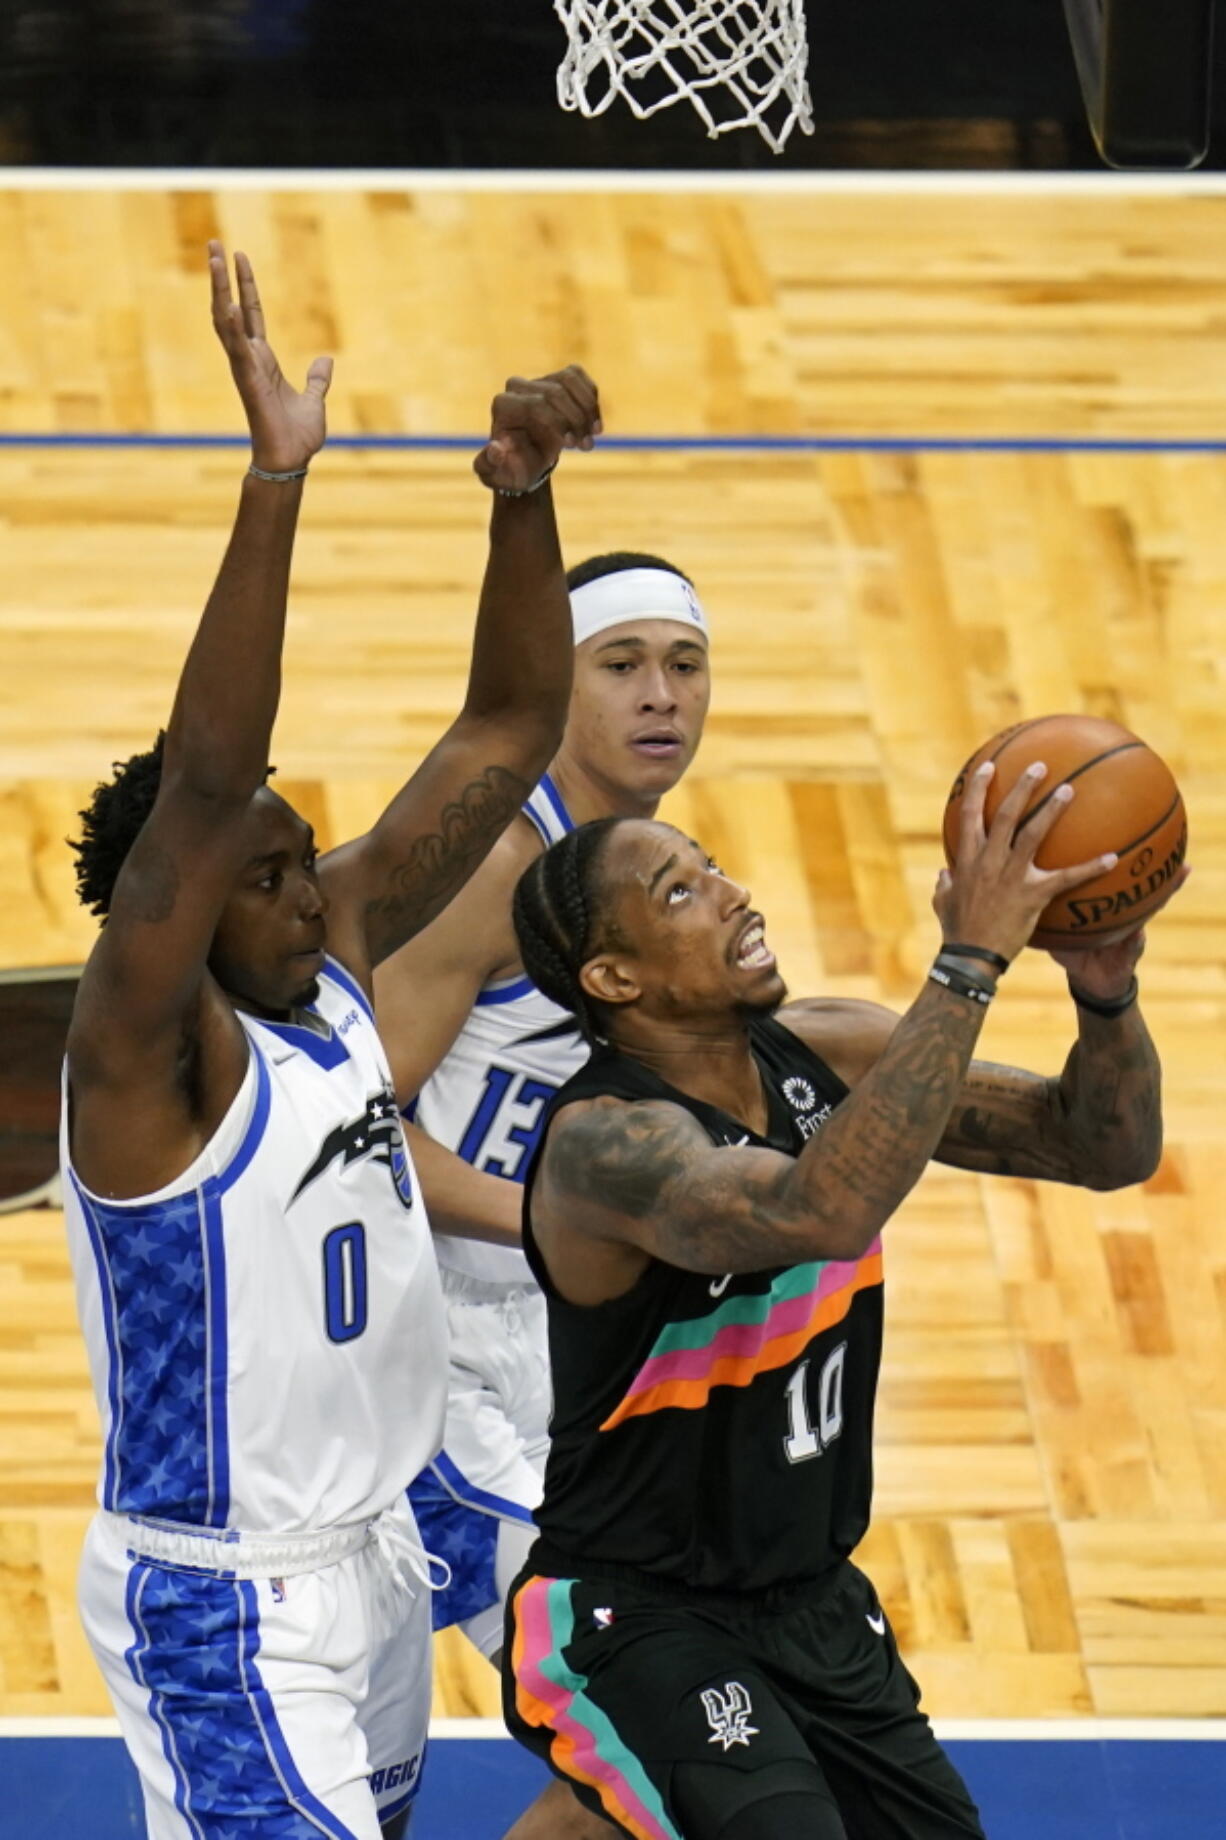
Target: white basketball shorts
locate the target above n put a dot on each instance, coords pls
(269, 1707)
(474, 1503)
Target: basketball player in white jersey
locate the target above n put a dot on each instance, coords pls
(255, 1273)
(477, 1052)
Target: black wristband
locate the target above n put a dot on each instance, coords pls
(960, 984)
(996, 959)
(967, 969)
(1104, 1006)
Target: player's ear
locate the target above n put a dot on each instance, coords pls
(609, 979)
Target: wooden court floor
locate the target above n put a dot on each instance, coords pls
(1051, 1522)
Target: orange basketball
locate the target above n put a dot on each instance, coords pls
(1126, 800)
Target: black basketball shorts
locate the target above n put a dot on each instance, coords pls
(620, 1687)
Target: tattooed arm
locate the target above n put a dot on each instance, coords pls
(384, 887)
(647, 1177)
(1098, 1125)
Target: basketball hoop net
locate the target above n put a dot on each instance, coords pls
(740, 63)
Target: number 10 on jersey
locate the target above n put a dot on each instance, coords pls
(805, 1438)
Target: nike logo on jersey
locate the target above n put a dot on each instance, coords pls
(376, 1134)
(876, 1623)
(734, 1143)
(718, 1286)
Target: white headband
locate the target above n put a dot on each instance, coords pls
(635, 594)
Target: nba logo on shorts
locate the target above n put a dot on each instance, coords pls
(728, 1715)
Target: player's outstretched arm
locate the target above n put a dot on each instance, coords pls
(649, 1178)
(145, 1003)
(384, 887)
(424, 994)
(1099, 1125)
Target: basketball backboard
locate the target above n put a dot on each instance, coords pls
(1145, 74)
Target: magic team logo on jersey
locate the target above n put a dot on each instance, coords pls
(377, 1135)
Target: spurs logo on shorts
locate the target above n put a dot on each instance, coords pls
(728, 1715)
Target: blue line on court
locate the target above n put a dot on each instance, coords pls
(685, 443)
(1159, 1789)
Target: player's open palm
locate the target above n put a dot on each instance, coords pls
(287, 425)
(531, 421)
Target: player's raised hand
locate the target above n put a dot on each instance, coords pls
(287, 425)
(532, 421)
(1104, 967)
(995, 892)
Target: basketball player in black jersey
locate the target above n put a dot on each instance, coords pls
(689, 1643)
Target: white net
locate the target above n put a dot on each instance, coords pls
(741, 63)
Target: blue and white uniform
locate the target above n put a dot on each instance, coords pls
(267, 1342)
(486, 1101)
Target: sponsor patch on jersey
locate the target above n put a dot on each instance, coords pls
(802, 1098)
(375, 1134)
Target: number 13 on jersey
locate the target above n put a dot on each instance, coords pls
(506, 1125)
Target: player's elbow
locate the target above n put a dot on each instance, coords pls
(849, 1240)
(522, 736)
(1132, 1165)
(843, 1234)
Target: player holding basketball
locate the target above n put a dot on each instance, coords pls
(480, 1052)
(255, 1275)
(689, 1643)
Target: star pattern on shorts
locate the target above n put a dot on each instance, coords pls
(200, 1639)
(466, 1539)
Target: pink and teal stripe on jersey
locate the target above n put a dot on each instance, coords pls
(585, 1744)
(747, 1335)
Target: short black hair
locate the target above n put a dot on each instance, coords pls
(560, 920)
(111, 823)
(614, 563)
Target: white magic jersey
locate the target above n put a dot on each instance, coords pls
(266, 1334)
(487, 1099)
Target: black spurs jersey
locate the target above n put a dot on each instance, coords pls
(716, 1431)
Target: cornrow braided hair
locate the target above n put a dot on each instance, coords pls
(556, 912)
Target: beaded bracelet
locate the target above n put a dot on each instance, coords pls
(277, 479)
